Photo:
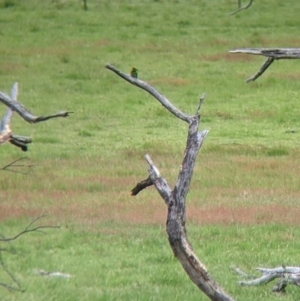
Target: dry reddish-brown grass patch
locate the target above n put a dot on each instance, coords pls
(132, 210)
(8, 67)
(229, 57)
(261, 214)
(292, 76)
(101, 43)
(172, 81)
(154, 213)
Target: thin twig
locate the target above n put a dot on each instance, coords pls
(27, 230)
(201, 100)
(24, 113)
(13, 165)
(8, 240)
(9, 287)
(241, 7)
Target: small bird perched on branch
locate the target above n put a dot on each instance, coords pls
(134, 73)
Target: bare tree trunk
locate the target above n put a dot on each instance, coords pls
(175, 199)
(271, 54)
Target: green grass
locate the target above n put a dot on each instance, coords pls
(243, 205)
(114, 261)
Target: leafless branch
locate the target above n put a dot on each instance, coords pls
(145, 86)
(175, 199)
(271, 54)
(10, 166)
(141, 185)
(3, 239)
(24, 113)
(7, 286)
(262, 69)
(240, 7)
(241, 273)
(28, 229)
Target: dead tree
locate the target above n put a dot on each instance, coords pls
(175, 199)
(271, 54)
(240, 7)
(5, 241)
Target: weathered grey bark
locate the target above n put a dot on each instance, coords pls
(175, 199)
(5, 129)
(287, 275)
(13, 104)
(240, 7)
(271, 54)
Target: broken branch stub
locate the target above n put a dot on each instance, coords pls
(271, 54)
(175, 199)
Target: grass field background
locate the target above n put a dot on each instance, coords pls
(243, 206)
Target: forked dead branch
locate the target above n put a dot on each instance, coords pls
(271, 54)
(175, 198)
(15, 167)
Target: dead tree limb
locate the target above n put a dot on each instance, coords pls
(24, 113)
(141, 185)
(286, 275)
(175, 199)
(7, 240)
(6, 134)
(240, 7)
(17, 286)
(145, 86)
(271, 54)
(29, 229)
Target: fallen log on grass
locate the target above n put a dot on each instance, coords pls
(286, 275)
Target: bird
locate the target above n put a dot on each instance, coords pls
(134, 73)
(16, 106)
(5, 130)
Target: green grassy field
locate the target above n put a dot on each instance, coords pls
(243, 206)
